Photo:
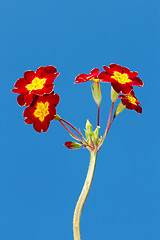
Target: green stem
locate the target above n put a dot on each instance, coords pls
(83, 196)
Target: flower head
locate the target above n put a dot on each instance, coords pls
(35, 83)
(41, 111)
(130, 102)
(121, 78)
(87, 77)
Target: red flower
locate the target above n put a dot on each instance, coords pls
(35, 83)
(86, 77)
(130, 101)
(121, 78)
(41, 111)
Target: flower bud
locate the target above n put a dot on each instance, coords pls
(72, 145)
(114, 95)
(88, 127)
(96, 92)
(96, 133)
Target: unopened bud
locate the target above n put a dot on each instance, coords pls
(88, 127)
(72, 145)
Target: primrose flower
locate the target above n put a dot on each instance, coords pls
(121, 78)
(41, 111)
(35, 83)
(87, 77)
(130, 102)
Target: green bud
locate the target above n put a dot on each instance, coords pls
(57, 117)
(72, 145)
(114, 95)
(88, 127)
(119, 109)
(96, 92)
(96, 132)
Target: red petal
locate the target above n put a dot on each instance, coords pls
(29, 76)
(27, 121)
(41, 126)
(95, 72)
(21, 82)
(132, 75)
(138, 109)
(39, 72)
(15, 90)
(116, 67)
(28, 98)
(51, 79)
(104, 77)
(21, 100)
(45, 126)
(125, 88)
(82, 78)
(46, 72)
(54, 99)
(52, 113)
(44, 90)
(37, 126)
(137, 82)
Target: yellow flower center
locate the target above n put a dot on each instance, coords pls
(96, 80)
(42, 110)
(121, 77)
(36, 84)
(131, 99)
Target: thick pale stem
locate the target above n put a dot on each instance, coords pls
(83, 196)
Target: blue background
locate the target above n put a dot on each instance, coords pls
(40, 179)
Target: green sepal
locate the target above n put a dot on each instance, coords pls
(119, 109)
(96, 92)
(76, 145)
(88, 127)
(57, 117)
(114, 95)
(96, 132)
(72, 145)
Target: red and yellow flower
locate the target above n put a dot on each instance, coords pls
(87, 77)
(130, 102)
(121, 78)
(41, 111)
(35, 83)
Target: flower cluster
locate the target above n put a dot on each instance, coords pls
(122, 81)
(36, 93)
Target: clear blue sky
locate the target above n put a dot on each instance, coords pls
(40, 179)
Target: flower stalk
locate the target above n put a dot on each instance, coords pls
(83, 195)
(108, 126)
